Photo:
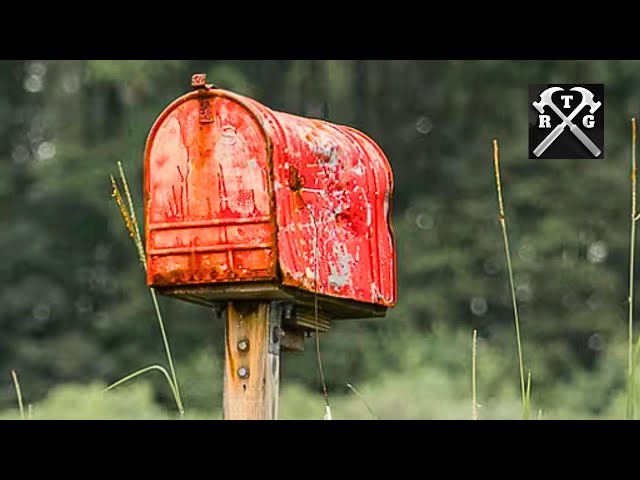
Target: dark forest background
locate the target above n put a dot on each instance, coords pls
(75, 314)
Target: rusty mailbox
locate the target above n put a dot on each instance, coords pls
(246, 203)
(243, 203)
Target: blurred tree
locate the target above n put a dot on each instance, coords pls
(74, 303)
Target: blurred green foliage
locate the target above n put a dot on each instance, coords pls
(75, 309)
(433, 382)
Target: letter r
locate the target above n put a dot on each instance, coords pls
(545, 121)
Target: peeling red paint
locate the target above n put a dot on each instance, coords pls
(237, 192)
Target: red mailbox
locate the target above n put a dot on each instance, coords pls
(242, 202)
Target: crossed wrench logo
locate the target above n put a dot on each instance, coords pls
(587, 100)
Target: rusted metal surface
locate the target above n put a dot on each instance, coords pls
(199, 80)
(209, 215)
(236, 192)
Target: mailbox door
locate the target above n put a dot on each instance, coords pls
(209, 215)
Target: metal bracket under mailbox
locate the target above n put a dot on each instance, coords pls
(278, 311)
(219, 311)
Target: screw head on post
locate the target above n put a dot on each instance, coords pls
(243, 372)
(243, 345)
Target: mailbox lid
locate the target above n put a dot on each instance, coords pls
(209, 215)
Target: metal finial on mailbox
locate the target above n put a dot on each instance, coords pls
(199, 80)
(282, 223)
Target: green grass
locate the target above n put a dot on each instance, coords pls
(474, 379)
(16, 385)
(524, 391)
(131, 222)
(631, 382)
(364, 400)
(431, 381)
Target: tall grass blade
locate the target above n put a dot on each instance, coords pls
(142, 372)
(16, 385)
(527, 406)
(165, 340)
(364, 400)
(133, 219)
(631, 386)
(316, 255)
(327, 413)
(516, 317)
(129, 216)
(474, 383)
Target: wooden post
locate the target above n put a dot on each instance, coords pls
(252, 360)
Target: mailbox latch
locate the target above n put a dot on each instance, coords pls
(199, 82)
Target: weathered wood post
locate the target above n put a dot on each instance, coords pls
(277, 222)
(252, 360)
